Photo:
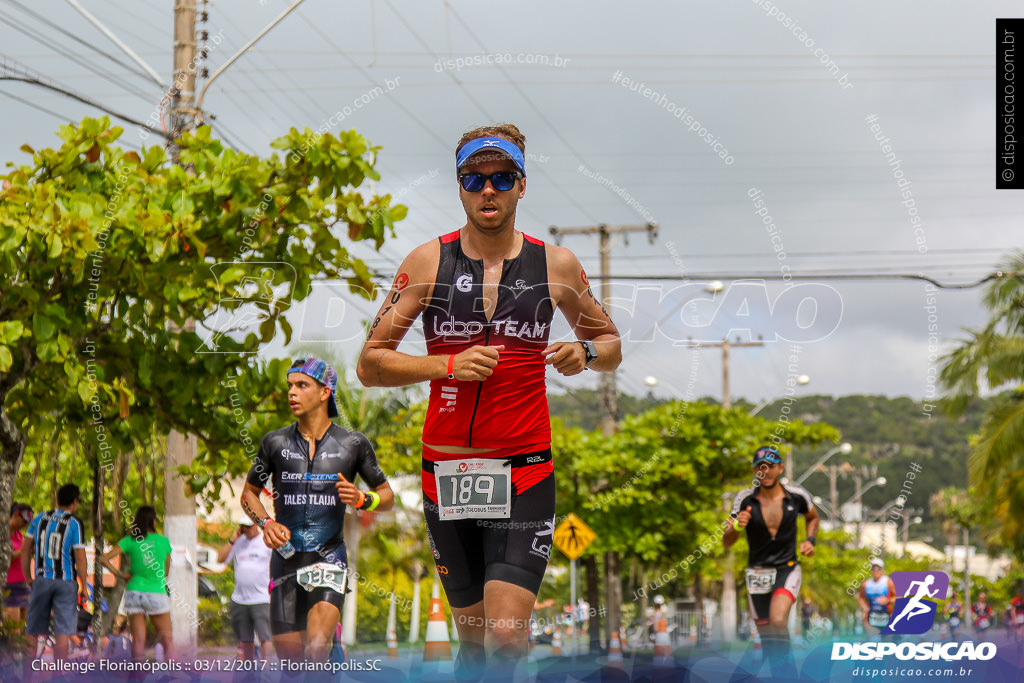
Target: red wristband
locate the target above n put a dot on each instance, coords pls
(451, 366)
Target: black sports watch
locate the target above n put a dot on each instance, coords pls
(590, 350)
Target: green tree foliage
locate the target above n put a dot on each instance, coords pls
(137, 292)
(889, 434)
(995, 354)
(655, 489)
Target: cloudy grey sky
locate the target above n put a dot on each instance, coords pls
(782, 91)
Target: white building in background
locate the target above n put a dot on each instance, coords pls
(883, 536)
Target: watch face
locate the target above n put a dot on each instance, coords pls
(590, 350)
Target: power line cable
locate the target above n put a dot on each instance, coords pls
(27, 77)
(129, 67)
(81, 61)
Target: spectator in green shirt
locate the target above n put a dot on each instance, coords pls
(145, 558)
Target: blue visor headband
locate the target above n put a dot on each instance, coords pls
(509, 149)
(767, 454)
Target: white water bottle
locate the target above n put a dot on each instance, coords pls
(287, 550)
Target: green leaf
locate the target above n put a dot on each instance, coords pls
(11, 331)
(399, 212)
(6, 360)
(267, 329)
(42, 327)
(56, 246)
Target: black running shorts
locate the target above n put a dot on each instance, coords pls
(290, 603)
(471, 552)
(787, 581)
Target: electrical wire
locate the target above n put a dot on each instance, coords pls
(131, 68)
(85, 100)
(702, 277)
(77, 59)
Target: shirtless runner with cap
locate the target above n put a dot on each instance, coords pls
(487, 294)
(768, 511)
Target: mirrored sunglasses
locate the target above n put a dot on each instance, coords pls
(501, 181)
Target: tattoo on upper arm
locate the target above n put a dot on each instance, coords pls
(379, 359)
(598, 302)
(395, 296)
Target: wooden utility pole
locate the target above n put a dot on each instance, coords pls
(725, 345)
(609, 415)
(728, 576)
(180, 508)
(606, 233)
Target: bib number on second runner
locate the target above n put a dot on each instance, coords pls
(474, 488)
(322, 575)
(760, 580)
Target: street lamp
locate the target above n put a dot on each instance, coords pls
(802, 380)
(860, 491)
(713, 287)
(845, 448)
(829, 512)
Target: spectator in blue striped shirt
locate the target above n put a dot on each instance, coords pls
(56, 543)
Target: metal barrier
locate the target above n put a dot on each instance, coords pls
(689, 627)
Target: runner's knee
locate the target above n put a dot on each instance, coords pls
(504, 637)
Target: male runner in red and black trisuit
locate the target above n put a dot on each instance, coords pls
(768, 511)
(487, 294)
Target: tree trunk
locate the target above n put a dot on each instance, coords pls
(353, 534)
(698, 594)
(97, 546)
(12, 448)
(594, 598)
(414, 618)
(614, 588)
(120, 477)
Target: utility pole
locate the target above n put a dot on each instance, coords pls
(606, 233)
(179, 508)
(609, 402)
(725, 345)
(729, 574)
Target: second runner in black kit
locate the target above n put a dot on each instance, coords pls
(487, 294)
(768, 511)
(312, 466)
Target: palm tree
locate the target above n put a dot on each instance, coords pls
(996, 354)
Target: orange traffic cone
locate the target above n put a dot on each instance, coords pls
(438, 648)
(615, 651)
(392, 636)
(556, 643)
(662, 646)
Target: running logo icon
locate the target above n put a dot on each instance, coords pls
(915, 608)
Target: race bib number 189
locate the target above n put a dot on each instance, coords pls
(474, 488)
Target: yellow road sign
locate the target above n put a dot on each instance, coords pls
(572, 536)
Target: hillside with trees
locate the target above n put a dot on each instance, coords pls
(887, 434)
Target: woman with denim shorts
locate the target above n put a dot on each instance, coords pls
(145, 558)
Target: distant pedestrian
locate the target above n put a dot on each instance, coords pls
(806, 612)
(16, 591)
(250, 601)
(148, 556)
(55, 545)
(119, 643)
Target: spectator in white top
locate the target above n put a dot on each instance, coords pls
(250, 601)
